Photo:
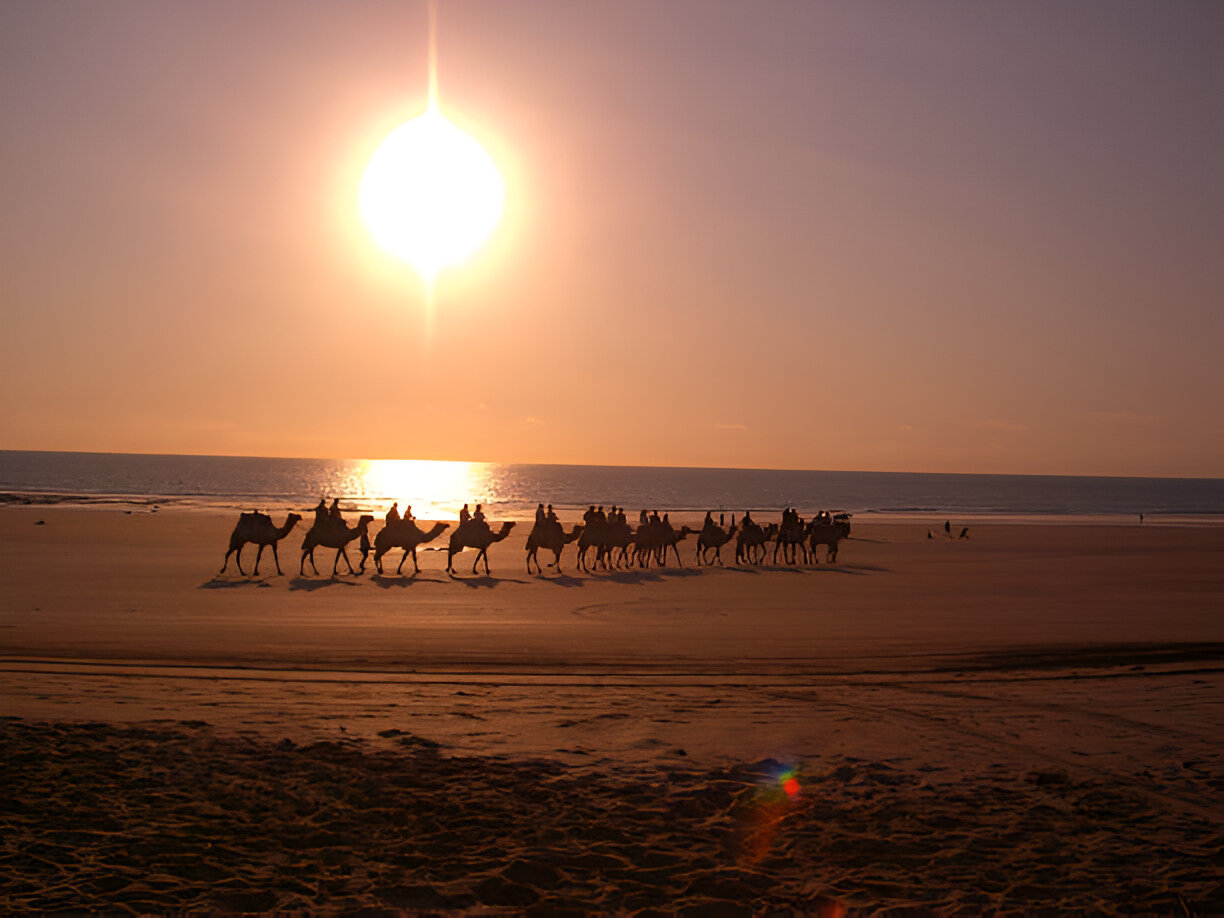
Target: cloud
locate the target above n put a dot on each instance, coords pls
(722, 426)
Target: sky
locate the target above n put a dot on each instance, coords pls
(900, 236)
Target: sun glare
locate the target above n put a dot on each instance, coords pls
(435, 489)
(430, 194)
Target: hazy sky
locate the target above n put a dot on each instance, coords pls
(923, 236)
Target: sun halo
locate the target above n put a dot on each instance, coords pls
(431, 195)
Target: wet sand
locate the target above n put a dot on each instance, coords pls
(1027, 718)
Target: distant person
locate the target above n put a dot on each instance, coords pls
(589, 515)
(748, 519)
(465, 516)
(408, 513)
(393, 515)
(1140, 519)
(334, 510)
(721, 520)
(478, 517)
(541, 516)
(642, 520)
(708, 522)
(320, 511)
(948, 528)
(965, 533)
(551, 515)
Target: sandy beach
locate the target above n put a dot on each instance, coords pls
(1028, 718)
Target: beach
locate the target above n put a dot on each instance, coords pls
(1026, 718)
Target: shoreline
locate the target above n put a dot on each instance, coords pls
(933, 518)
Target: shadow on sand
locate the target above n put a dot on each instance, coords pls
(308, 584)
(218, 584)
(562, 580)
(483, 580)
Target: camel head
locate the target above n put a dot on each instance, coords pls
(293, 519)
(364, 521)
(504, 531)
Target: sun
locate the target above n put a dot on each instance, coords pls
(431, 195)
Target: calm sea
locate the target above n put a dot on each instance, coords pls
(438, 489)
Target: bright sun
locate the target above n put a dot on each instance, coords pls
(431, 195)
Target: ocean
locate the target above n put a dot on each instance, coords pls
(437, 489)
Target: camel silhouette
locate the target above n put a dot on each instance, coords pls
(827, 534)
(790, 540)
(713, 537)
(335, 533)
(474, 535)
(750, 543)
(257, 528)
(551, 536)
(654, 539)
(407, 535)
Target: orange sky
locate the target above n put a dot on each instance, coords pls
(925, 237)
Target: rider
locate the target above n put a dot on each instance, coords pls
(408, 513)
(393, 515)
(479, 517)
(333, 512)
(541, 516)
(465, 515)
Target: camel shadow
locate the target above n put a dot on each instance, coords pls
(387, 581)
(308, 584)
(218, 584)
(633, 577)
(864, 568)
(830, 569)
(562, 580)
(679, 572)
(484, 580)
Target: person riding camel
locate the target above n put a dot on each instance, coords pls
(334, 510)
(465, 516)
(408, 514)
(708, 523)
(541, 516)
(479, 518)
(393, 515)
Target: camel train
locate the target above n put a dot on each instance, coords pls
(604, 540)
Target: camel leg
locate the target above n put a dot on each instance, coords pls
(558, 562)
(399, 567)
(276, 558)
(227, 557)
(258, 555)
(302, 567)
(341, 553)
(529, 563)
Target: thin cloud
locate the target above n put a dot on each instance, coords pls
(721, 426)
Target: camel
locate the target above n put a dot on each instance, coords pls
(594, 535)
(790, 537)
(551, 536)
(827, 534)
(407, 535)
(750, 543)
(257, 527)
(474, 535)
(655, 539)
(335, 533)
(713, 537)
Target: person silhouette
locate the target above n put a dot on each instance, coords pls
(393, 515)
(551, 516)
(642, 518)
(465, 515)
(948, 528)
(408, 513)
(334, 510)
(708, 522)
(479, 517)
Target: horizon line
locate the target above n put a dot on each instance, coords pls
(614, 465)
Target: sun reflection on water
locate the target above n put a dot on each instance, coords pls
(434, 489)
